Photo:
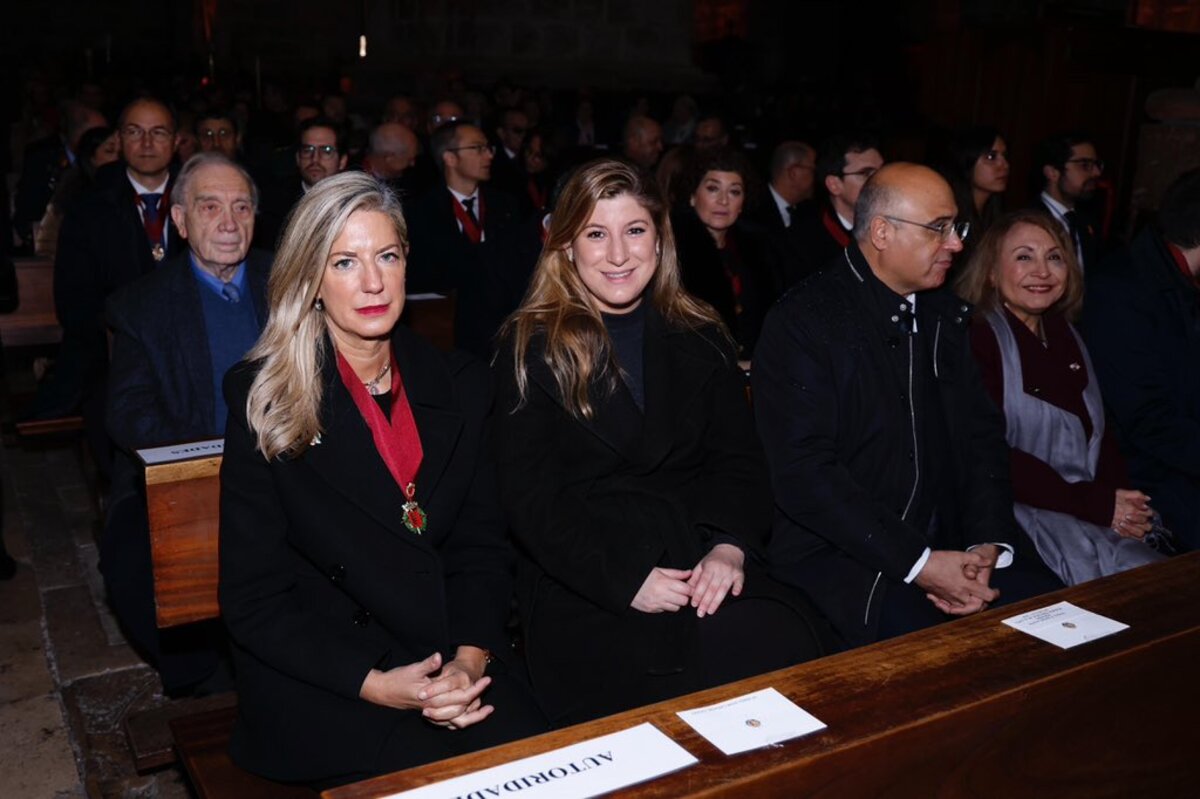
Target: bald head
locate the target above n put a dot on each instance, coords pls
(896, 222)
(643, 141)
(393, 148)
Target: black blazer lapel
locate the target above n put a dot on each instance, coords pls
(439, 422)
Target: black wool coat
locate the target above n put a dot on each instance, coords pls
(595, 505)
(321, 582)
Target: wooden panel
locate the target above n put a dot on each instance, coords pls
(183, 503)
(970, 708)
(34, 322)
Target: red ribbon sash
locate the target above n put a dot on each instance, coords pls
(834, 226)
(397, 440)
(473, 228)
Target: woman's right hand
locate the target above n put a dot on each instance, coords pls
(401, 687)
(1132, 514)
(663, 590)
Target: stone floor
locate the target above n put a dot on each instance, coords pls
(67, 676)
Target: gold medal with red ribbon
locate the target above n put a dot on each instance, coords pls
(396, 439)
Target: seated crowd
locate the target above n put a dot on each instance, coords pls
(578, 511)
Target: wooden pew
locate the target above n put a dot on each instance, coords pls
(34, 322)
(182, 500)
(970, 708)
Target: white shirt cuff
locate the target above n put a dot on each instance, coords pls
(1005, 558)
(920, 564)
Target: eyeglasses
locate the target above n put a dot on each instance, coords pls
(943, 229)
(1087, 164)
(479, 149)
(865, 173)
(222, 133)
(157, 135)
(317, 150)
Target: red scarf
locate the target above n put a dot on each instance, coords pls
(834, 226)
(397, 440)
(1181, 262)
(473, 231)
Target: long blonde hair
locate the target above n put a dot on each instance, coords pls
(284, 405)
(558, 306)
(976, 284)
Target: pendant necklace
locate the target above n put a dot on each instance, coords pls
(373, 385)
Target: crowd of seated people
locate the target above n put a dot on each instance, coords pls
(585, 467)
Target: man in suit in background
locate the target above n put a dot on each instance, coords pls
(117, 231)
(462, 238)
(779, 207)
(175, 334)
(844, 165)
(1070, 171)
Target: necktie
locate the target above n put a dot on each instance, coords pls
(1073, 224)
(231, 292)
(793, 214)
(150, 206)
(469, 206)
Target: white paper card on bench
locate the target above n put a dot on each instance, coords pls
(748, 722)
(1065, 625)
(182, 452)
(577, 771)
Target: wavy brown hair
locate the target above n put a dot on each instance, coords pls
(976, 286)
(558, 306)
(284, 405)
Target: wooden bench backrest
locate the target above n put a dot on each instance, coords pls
(182, 500)
(34, 322)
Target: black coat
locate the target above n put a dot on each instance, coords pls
(833, 415)
(596, 505)
(488, 278)
(1141, 322)
(102, 246)
(160, 386)
(321, 582)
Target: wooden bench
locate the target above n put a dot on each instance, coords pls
(183, 502)
(970, 708)
(34, 322)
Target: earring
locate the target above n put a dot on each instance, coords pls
(319, 304)
(571, 256)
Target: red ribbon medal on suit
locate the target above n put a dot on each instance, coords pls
(397, 439)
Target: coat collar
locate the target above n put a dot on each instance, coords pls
(677, 363)
(346, 457)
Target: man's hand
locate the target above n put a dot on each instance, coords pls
(957, 582)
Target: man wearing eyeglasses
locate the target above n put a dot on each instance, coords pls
(888, 460)
(461, 237)
(1070, 171)
(117, 231)
(217, 131)
(844, 164)
(320, 152)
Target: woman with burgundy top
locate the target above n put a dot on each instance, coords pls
(365, 575)
(1067, 474)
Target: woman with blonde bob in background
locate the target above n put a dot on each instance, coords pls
(1067, 473)
(629, 468)
(365, 574)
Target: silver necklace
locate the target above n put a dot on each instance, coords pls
(373, 386)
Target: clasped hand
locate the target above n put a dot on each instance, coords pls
(1131, 513)
(446, 695)
(704, 587)
(957, 582)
